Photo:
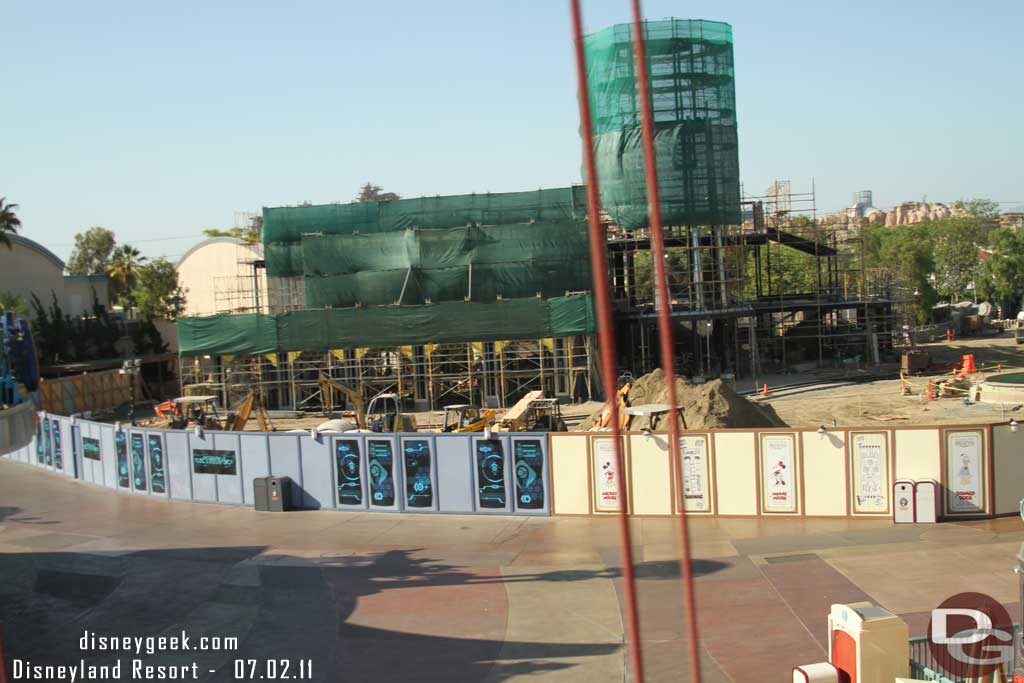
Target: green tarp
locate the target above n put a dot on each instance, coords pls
(385, 326)
(453, 264)
(694, 107)
(284, 227)
(243, 333)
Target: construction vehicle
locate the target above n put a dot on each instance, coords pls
(382, 414)
(190, 411)
(533, 413)
(463, 418)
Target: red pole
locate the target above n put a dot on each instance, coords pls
(664, 320)
(3, 660)
(606, 333)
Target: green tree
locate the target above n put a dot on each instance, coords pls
(979, 208)
(157, 293)
(1003, 272)
(13, 303)
(375, 193)
(900, 261)
(250, 234)
(123, 271)
(9, 222)
(957, 265)
(91, 255)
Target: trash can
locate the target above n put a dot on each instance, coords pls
(260, 495)
(903, 498)
(279, 494)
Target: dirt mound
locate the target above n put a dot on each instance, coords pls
(710, 405)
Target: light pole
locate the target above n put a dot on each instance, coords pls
(131, 368)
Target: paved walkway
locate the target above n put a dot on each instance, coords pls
(378, 597)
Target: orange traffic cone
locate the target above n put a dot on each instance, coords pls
(764, 391)
(968, 364)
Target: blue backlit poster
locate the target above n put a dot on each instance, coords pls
(350, 480)
(121, 447)
(381, 466)
(206, 461)
(529, 457)
(39, 442)
(58, 451)
(490, 464)
(138, 463)
(419, 488)
(46, 440)
(91, 448)
(156, 464)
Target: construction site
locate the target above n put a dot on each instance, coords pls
(482, 298)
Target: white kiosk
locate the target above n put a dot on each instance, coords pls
(867, 643)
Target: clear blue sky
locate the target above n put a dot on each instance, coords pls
(159, 119)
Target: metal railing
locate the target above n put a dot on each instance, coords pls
(923, 665)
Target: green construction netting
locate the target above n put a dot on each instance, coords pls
(383, 326)
(284, 227)
(694, 104)
(414, 266)
(242, 333)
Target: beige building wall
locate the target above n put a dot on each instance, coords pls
(917, 454)
(570, 481)
(1008, 453)
(78, 293)
(650, 474)
(735, 473)
(825, 478)
(218, 277)
(29, 268)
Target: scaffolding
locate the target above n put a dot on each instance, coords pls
(492, 374)
(782, 291)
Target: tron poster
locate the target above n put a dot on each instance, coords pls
(490, 464)
(529, 458)
(350, 474)
(46, 439)
(381, 468)
(419, 488)
(58, 451)
(121, 446)
(90, 448)
(214, 462)
(39, 442)
(156, 464)
(138, 463)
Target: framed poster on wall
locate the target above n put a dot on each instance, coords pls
(965, 472)
(607, 478)
(778, 473)
(869, 462)
(695, 472)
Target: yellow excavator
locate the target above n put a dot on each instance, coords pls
(464, 418)
(383, 414)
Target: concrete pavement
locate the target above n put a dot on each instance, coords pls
(378, 597)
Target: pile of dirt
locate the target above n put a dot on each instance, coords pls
(710, 405)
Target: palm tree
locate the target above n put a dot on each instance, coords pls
(123, 264)
(9, 222)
